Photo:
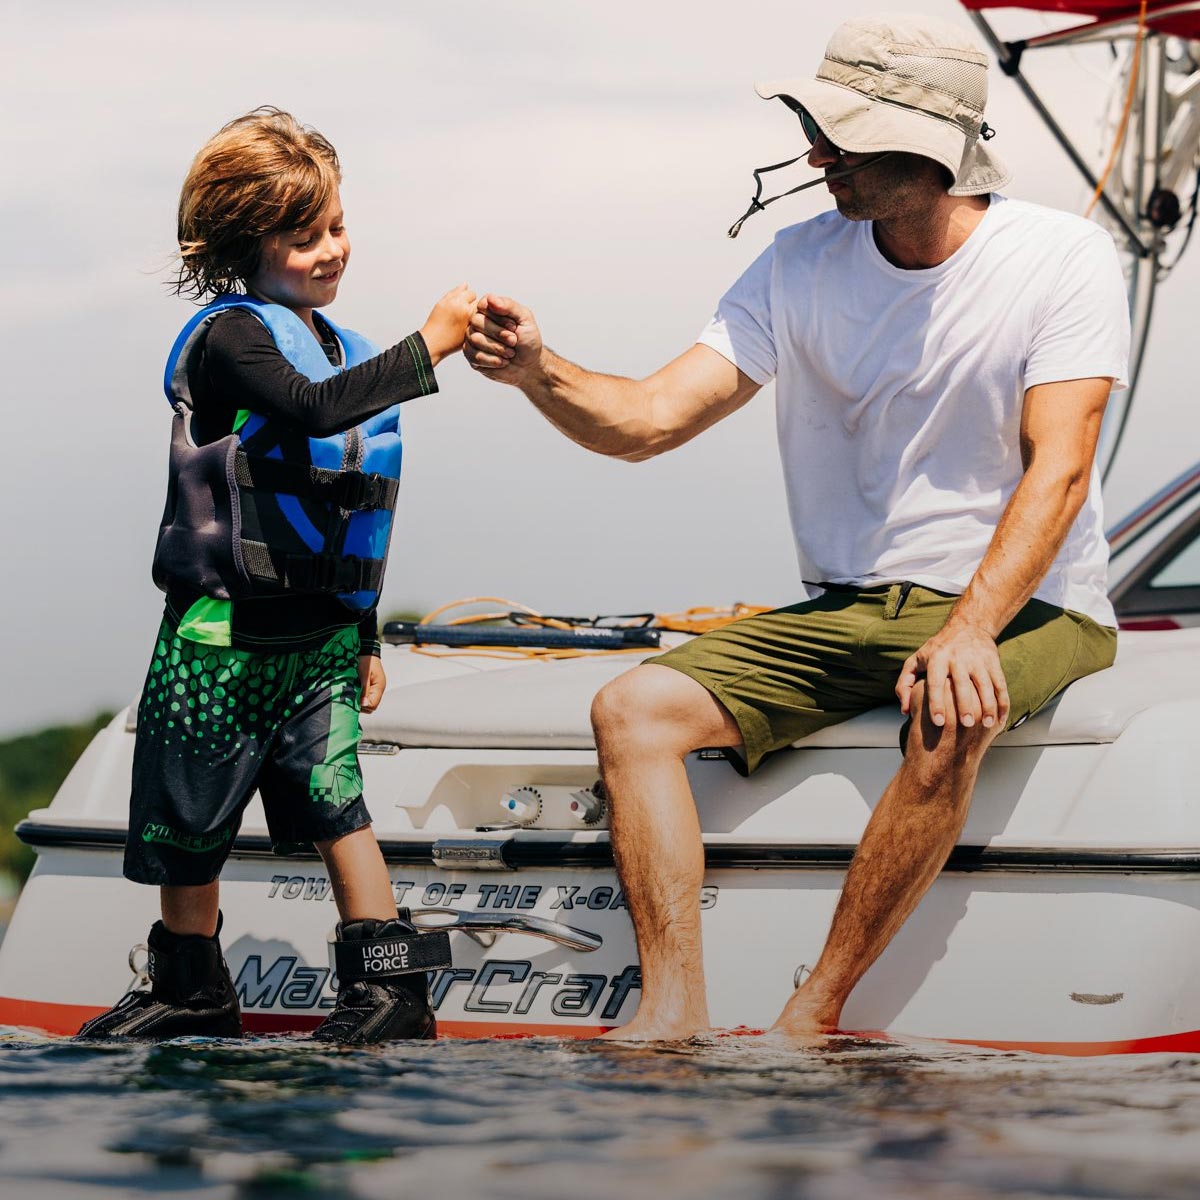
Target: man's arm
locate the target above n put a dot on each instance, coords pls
(1060, 425)
(633, 419)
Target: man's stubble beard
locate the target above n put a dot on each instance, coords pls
(897, 188)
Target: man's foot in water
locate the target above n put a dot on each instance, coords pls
(663, 1024)
(808, 1018)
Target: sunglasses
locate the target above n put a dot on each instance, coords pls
(809, 126)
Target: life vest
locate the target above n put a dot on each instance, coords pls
(267, 510)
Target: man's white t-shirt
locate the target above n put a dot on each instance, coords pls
(899, 393)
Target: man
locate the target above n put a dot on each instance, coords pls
(942, 358)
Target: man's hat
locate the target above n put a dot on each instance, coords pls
(904, 81)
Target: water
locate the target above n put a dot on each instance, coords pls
(844, 1120)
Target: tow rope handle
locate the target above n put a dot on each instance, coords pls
(587, 638)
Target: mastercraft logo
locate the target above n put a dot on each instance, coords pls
(197, 843)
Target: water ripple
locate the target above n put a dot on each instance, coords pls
(845, 1120)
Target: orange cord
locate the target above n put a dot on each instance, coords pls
(475, 618)
(701, 620)
(1120, 138)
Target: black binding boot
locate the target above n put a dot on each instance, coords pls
(191, 994)
(383, 983)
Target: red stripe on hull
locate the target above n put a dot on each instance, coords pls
(1169, 1043)
(46, 1017)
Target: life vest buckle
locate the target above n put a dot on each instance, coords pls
(326, 572)
(357, 491)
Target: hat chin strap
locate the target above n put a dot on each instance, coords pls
(758, 204)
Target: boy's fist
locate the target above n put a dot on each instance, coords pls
(446, 327)
(372, 681)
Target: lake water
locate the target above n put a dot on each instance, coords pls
(545, 1118)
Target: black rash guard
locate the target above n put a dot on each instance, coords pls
(242, 368)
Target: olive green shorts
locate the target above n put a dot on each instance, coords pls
(786, 674)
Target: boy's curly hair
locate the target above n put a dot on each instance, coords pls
(262, 173)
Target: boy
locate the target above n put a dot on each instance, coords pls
(284, 461)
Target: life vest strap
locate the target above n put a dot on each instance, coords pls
(354, 491)
(312, 572)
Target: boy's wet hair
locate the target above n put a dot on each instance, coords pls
(263, 173)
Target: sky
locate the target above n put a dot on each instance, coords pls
(586, 159)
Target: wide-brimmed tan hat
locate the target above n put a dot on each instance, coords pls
(904, 81)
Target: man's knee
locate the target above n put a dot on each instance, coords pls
(660, 708)
(947, 747)
(633, 705)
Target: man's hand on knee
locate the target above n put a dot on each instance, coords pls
(963, 677)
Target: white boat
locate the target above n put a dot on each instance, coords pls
(1067, 920)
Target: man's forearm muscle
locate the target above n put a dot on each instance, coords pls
(633, 419)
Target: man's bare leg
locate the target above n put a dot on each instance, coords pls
(906, 842)
(646, 722)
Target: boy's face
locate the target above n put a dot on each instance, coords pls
(301, 269)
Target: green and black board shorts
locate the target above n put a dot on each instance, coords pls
(785, 674)
(214, 724)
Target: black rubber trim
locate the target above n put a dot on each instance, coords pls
(521, 852)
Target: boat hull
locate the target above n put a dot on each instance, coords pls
(1081, 961)
(1067, 919)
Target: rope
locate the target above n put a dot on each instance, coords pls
(477, 618)
(701, 620)
(1124, 123)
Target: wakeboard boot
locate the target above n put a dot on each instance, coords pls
(191, 994)
(383, 982)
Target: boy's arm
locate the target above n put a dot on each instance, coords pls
(368, 634)
(244, 364)
(372, 681)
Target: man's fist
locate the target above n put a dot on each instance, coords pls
(504, 341)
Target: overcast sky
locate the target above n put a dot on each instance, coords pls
(585, 158)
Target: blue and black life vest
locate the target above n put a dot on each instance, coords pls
(267, 510)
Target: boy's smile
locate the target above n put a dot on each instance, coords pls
(301, 268)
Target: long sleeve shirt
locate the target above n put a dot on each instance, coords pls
(242, 368)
